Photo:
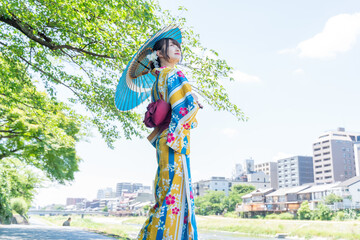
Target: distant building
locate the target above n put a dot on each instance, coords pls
(357, 157)
(126, 187)
(74, 201)
(105, 193)
(350, 187)
(270, 169)
(239, 171)
(249, 166)
(213, 184)
(123, 187)
(295, 171)
(336, 155)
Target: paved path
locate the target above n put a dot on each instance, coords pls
(40, 231)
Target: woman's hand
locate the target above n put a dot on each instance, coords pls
(197, 100)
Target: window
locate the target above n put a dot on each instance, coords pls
(327, 171)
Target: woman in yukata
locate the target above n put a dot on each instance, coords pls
(173, 215)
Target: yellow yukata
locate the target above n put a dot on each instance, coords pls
(173, 215)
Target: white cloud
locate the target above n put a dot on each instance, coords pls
(299, 71)
(229, 132)
(338, 36)
(282, 155)
(244, 77)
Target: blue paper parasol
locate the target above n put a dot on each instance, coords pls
(135, 83)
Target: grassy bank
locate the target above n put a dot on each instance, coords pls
(110, 229)
(256, 227)
(305, 229)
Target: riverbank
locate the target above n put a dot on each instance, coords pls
(129, 226)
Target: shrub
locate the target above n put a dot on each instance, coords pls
(350, 214)
(340, 216)
(286, 216)
(322, 212)
(304, 211)
(19, 205)
(272, 216)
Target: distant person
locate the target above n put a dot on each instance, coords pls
(67, 222)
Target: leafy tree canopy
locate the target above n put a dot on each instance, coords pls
(16, 181)
(35, 129)
(332, 198)
(98, 38)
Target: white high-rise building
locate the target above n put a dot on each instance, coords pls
(336, 156)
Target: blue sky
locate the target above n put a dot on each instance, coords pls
(297, 75)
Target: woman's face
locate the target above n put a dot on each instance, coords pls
(174, 52)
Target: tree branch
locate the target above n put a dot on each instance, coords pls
(9, 152)
(44, 40)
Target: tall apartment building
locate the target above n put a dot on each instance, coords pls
(295, 171)
(123, 187)
(270, 169)
(336, 155)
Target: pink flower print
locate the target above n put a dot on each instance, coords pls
(175, 210)
(170, 137)
(191, 195)
(156, 206)
(170, 200)
(183, 111)
(185, 219)
(180, 74)
(163, 67)
(186, 126)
